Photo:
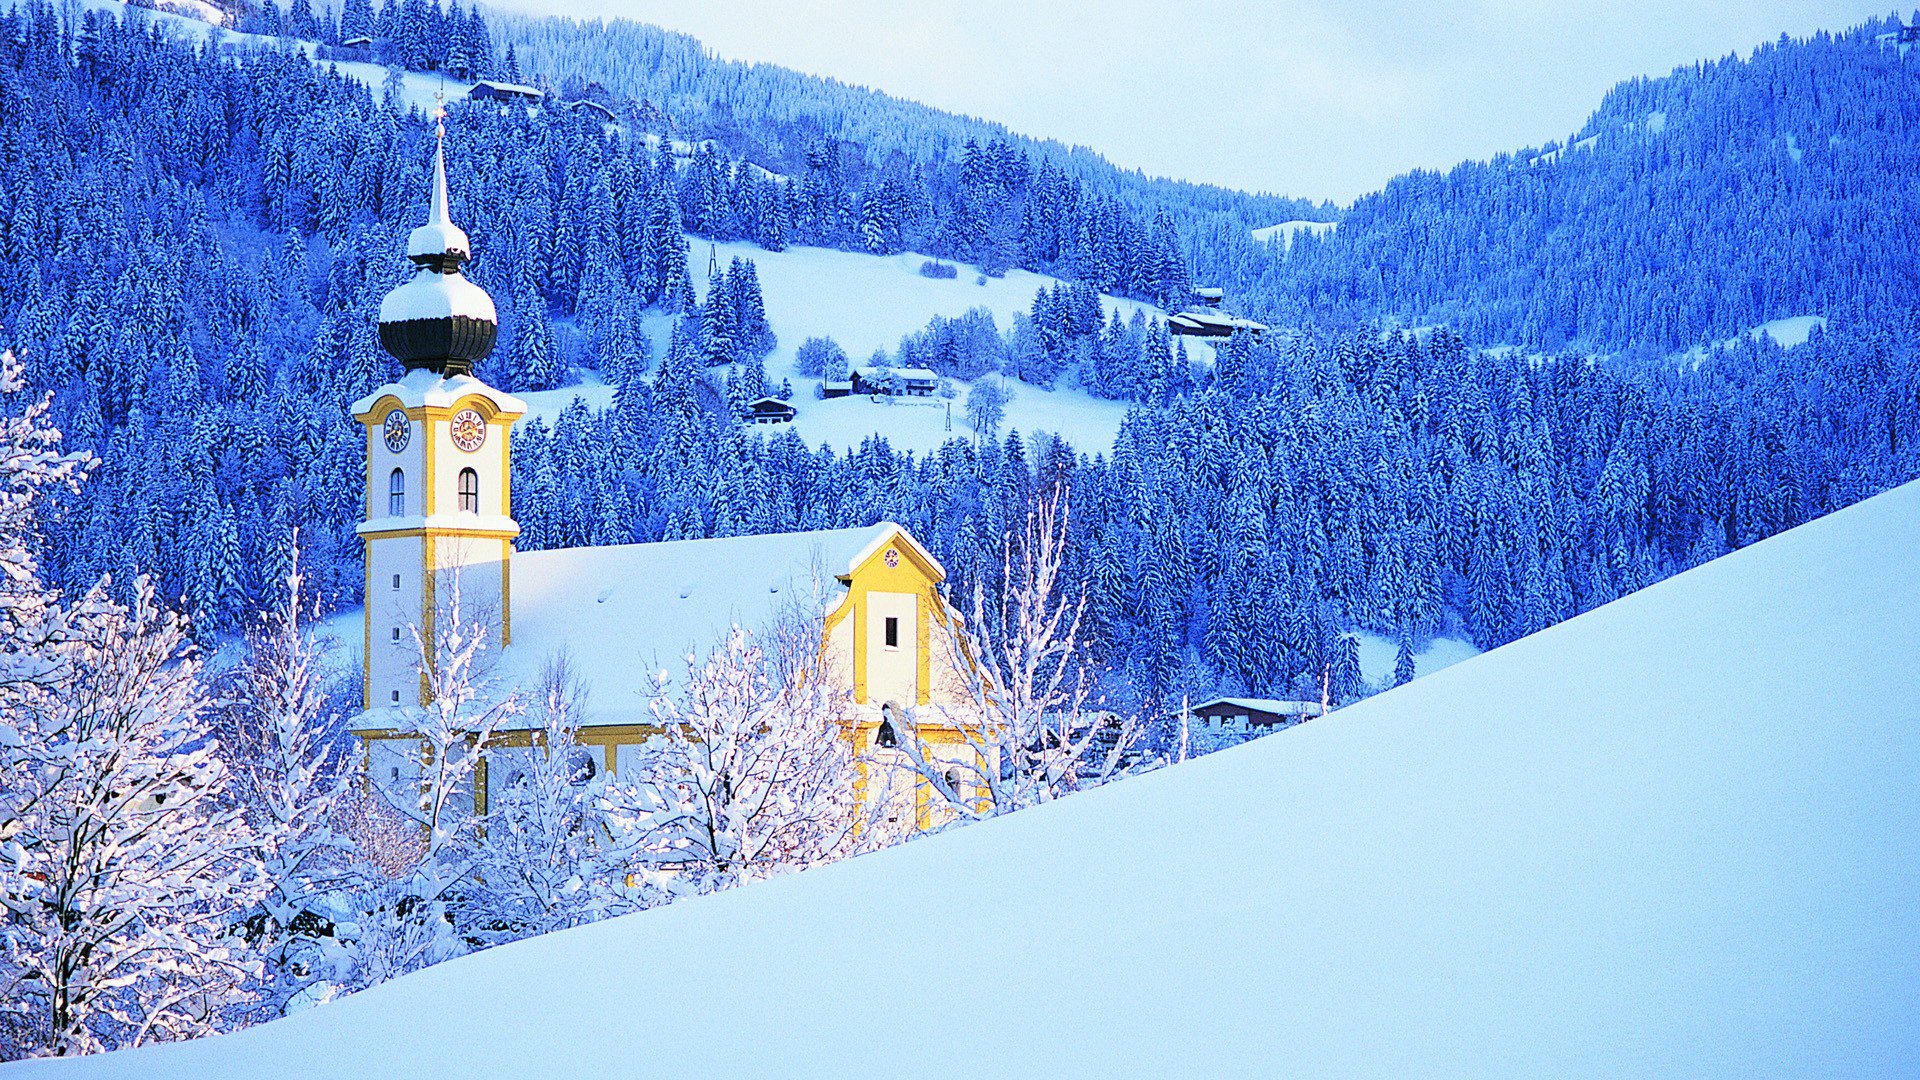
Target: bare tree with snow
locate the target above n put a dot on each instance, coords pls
(120, 868)
(551, 858)
(279, 736)
(407, 923)
(752, 773)
(1033, 730)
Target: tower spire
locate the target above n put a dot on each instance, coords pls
(437, 208)
(438, 320)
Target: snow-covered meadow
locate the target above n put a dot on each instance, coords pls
(869, 302)
(1676, 836)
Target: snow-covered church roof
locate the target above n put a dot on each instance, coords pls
(621, 614)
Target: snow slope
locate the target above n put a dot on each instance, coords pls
(1676, 836)
(1379, 654)
(1287, 230)
(868, 302)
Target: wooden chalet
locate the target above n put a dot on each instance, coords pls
(833, 388)
(504, 92)
(1211, 324)
(1251, 715)
(1210, 297)
(770, 410)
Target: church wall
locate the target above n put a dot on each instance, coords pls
(393, 666)
(474, 566)
(893, 672)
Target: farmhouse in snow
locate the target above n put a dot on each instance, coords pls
(770, 410)
(901, 381)
(504, 92)
(1252, 715)
(1211, 324)
(440, 531)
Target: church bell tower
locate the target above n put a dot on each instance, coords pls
(439, 521)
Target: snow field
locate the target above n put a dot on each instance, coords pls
(1287, 230)
(869, 302)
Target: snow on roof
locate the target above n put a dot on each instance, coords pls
(430, 294)
(421, 389)
(505, 87)
(1267, 705)
(626, 612)
(771, 400)
(1210, 292)
(918, 374)
(1672, 836)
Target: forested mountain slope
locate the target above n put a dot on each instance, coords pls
(196, 239)
(1688, 209)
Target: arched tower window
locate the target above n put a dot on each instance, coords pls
(469, 491)
(885, 737)
(397, 493)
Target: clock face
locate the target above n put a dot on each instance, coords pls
(397, 431)
(893, 558)
(469, 431)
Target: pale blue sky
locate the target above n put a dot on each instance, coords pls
(1319, 98)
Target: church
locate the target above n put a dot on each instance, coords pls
(439, 538)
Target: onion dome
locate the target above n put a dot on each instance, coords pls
(438, 320)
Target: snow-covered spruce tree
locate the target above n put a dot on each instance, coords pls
(1021, 662)
(550, 857)
(119, 871)
(279, 734)
(410, 921)
(751, 776)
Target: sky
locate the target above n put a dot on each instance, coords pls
(1325, 99)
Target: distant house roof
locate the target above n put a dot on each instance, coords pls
(770, 400)
(1265, 705)
(355, 42)
(915, 374)
(596, 106)
(488, 88)
(626, 612)
(837, 384)
(1210, 293)
(1214, 322)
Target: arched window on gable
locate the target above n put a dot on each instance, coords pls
(397, 493)
(469, 491)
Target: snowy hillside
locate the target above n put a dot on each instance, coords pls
(868, 302)
(1679, 835)
(1287, 230)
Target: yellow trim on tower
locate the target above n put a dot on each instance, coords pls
(429, 583)
(366, 627)
(506, 593)
(480, 534)
(506, 471)
(479, 403)
(428, 479)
